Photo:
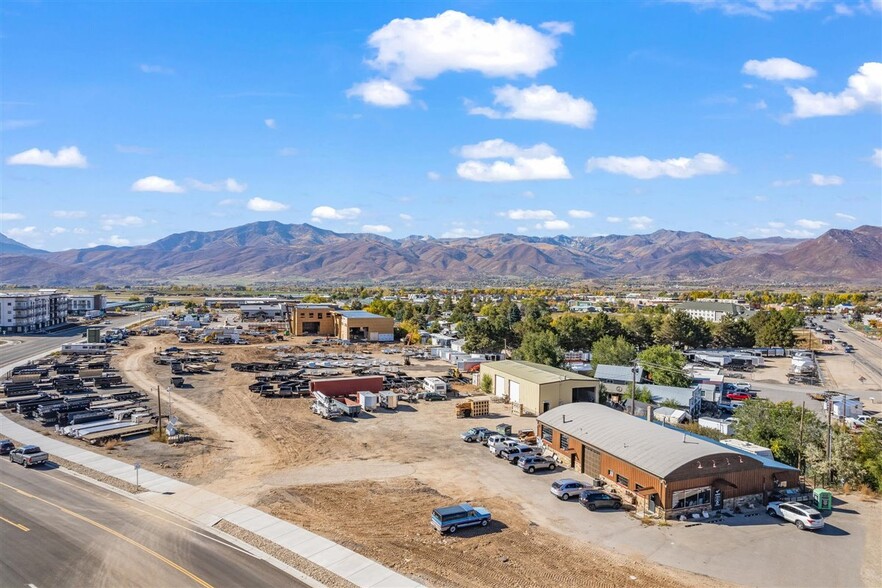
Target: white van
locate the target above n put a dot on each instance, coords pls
(436, 385)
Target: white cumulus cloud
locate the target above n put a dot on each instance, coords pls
(778, 68)
(157, 184)
(408, 50)
(405, 217)
(539, 162)
(433, 175)
(376, 229)
(539, 103)
(459, 232)
(57, 231)
(556, 27)
(499, 148)
(822, 180)
(320, 213)
(11, 216)
(553, 225)
(270, 123)
(864, 91)
(810, 224)
(643, 168)
(844, 216)
(380, 93)
(156, 69)
(258, 204)
(640, 222)
(521, 214)
(580, 213)
(756, 8)
(876, 158)
(65, 157)
(521, 169)
(614, 219)
(109, 221)
(17, 232)
(228, 185)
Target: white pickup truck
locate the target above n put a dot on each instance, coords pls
(28, 455)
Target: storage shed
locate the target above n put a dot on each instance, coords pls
(360, 325)
(657, 468)
(538, 388)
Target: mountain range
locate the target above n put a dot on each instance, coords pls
(274, 252)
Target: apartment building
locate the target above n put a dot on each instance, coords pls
(25, 312)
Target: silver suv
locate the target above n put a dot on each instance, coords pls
(497, 445)
(531, 463)
(567, 487)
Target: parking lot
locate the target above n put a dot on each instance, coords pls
(371, 482)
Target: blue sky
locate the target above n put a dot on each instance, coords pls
(123, 123)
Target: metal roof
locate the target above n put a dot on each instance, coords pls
(359, 314)
(536, 373)
(649, 446)
(617, 373)
(730, 307)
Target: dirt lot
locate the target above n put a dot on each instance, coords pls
(371, 482)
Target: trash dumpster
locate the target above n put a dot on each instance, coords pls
(503, 429)
(823, 499)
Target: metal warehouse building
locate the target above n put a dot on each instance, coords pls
(659, 469)
(537, 388)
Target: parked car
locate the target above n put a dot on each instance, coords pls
(531, 463)
(567, 487)
(484, 435)
(861, 421)
(6, 446)
(594, 499)
(514, 453)
(434, 396)
(473, 434)
(804, 517)
(28, 455)
(499, 446)
(450, 518)
(739, 395)
(492, 438)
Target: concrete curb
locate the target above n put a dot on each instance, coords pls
(206, 509)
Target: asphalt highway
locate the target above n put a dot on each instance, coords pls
(19, 348)
(867, 353)
(56, 530)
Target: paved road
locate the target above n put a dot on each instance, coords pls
(867, 353)
(57, 530)
(24, 347)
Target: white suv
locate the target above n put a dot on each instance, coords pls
(804, 517)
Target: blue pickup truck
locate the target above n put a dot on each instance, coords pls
(450, 518)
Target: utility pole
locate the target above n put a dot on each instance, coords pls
(799, 447)
(159, 400)
(829, 440)
(633, 385)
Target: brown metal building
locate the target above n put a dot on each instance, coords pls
(659, 469)
(312, 319)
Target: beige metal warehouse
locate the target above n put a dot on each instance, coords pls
(534, 388)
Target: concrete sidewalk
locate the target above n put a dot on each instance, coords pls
(207, 509)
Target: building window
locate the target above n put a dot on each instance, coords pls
(564, 441)
(320, 315)
(546, 433)
(610, 473)
(621, 480)
(691, 498)
(638, 487)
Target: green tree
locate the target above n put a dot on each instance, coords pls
(541, 347)
(486, 384)
(573, 332)
(776, 426)
(664, 366)
(681, 330)
(603, 325)
(732, 332)
(610, 351)
(640, 329)
(772, 329)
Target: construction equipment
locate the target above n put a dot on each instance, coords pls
(463, 410)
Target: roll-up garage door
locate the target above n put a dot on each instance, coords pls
(514, 391)
(500, 386)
